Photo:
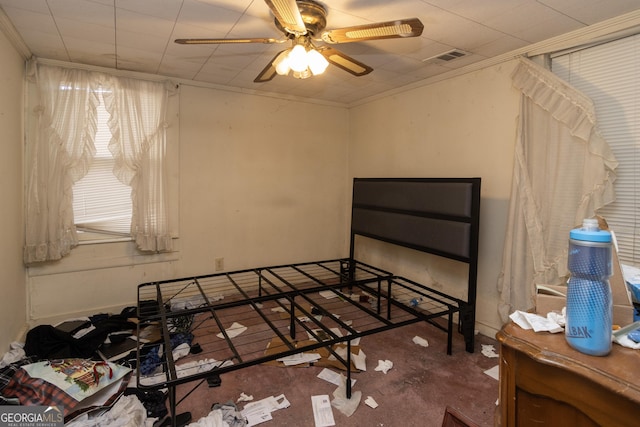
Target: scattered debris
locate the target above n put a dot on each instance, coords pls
(489, 350)
(359, 360)
(322, 413)
(260, 411)
(384, 366)
(370, 402)
(181, 350)
(323, 335)
(494, 372)
(233, 331)
(299, 358)
(244, 397)
(332, 377)
(328, 294)
(342, 403)
(421, 341)
(230, 416)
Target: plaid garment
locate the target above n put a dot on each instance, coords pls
(36, 391)
(8, 371)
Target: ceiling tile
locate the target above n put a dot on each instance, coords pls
(208, 17)
(163, 9)
(83, 12)
(592, 11)
(27, 21)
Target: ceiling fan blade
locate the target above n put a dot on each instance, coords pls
(269, 72)
(227, 41)
(343, 61)
(288, 14)
(381, 30)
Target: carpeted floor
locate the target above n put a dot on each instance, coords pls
(416, 391)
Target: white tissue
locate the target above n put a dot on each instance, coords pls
(534, 321)
(421, 341)
(384, 366)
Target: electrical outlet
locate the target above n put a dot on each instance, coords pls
(219, 264)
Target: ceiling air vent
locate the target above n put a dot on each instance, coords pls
(447, 56)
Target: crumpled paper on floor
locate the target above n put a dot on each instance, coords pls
(342, 403)
(233, 331)
(384, 366)
(489, 350)
(420, 341)
(245, 397)
(260, 411)
(359, 360)
(371, 402)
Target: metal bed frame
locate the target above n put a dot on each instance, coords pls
(296, 308)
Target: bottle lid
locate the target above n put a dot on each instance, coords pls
(590, 232)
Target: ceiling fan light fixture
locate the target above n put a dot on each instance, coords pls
(281, 63)
(298, 58)
(317, 63)
(306, 73)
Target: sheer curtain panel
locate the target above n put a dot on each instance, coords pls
(563, 172)
(137, 123)
(59, 154)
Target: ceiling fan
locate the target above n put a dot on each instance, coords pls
(303, 24)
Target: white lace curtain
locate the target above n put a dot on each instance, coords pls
(563, 172)
(61, 151)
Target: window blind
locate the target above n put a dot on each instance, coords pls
(608, 74)
(101, 203)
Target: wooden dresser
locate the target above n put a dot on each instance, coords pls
(545, 382)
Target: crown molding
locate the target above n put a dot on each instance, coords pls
(14, 37)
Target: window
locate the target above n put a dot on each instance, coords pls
(608, 74)
(69, 172)
(101, 203)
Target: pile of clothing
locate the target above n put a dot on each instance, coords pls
(83, 366)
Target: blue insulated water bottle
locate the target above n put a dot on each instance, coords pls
(589, 302)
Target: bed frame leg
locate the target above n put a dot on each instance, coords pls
(467, 326)
(292, 320)
(450, 333)
(172, 406)
(346, 274)
(348, 369)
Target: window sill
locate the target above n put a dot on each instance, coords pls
(103, 254)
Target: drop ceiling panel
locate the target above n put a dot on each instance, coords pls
(138, 35)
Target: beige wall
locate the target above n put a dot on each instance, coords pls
(461, 127)
(13, 301)
(262, 181)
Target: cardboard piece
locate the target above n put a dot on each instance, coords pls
(622, 307)
(550, 298)
(276, 346)
(553, 297)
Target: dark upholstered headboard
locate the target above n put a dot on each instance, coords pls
(440, 216)
(436, 215)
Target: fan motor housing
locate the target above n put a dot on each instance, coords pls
(314, 16)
